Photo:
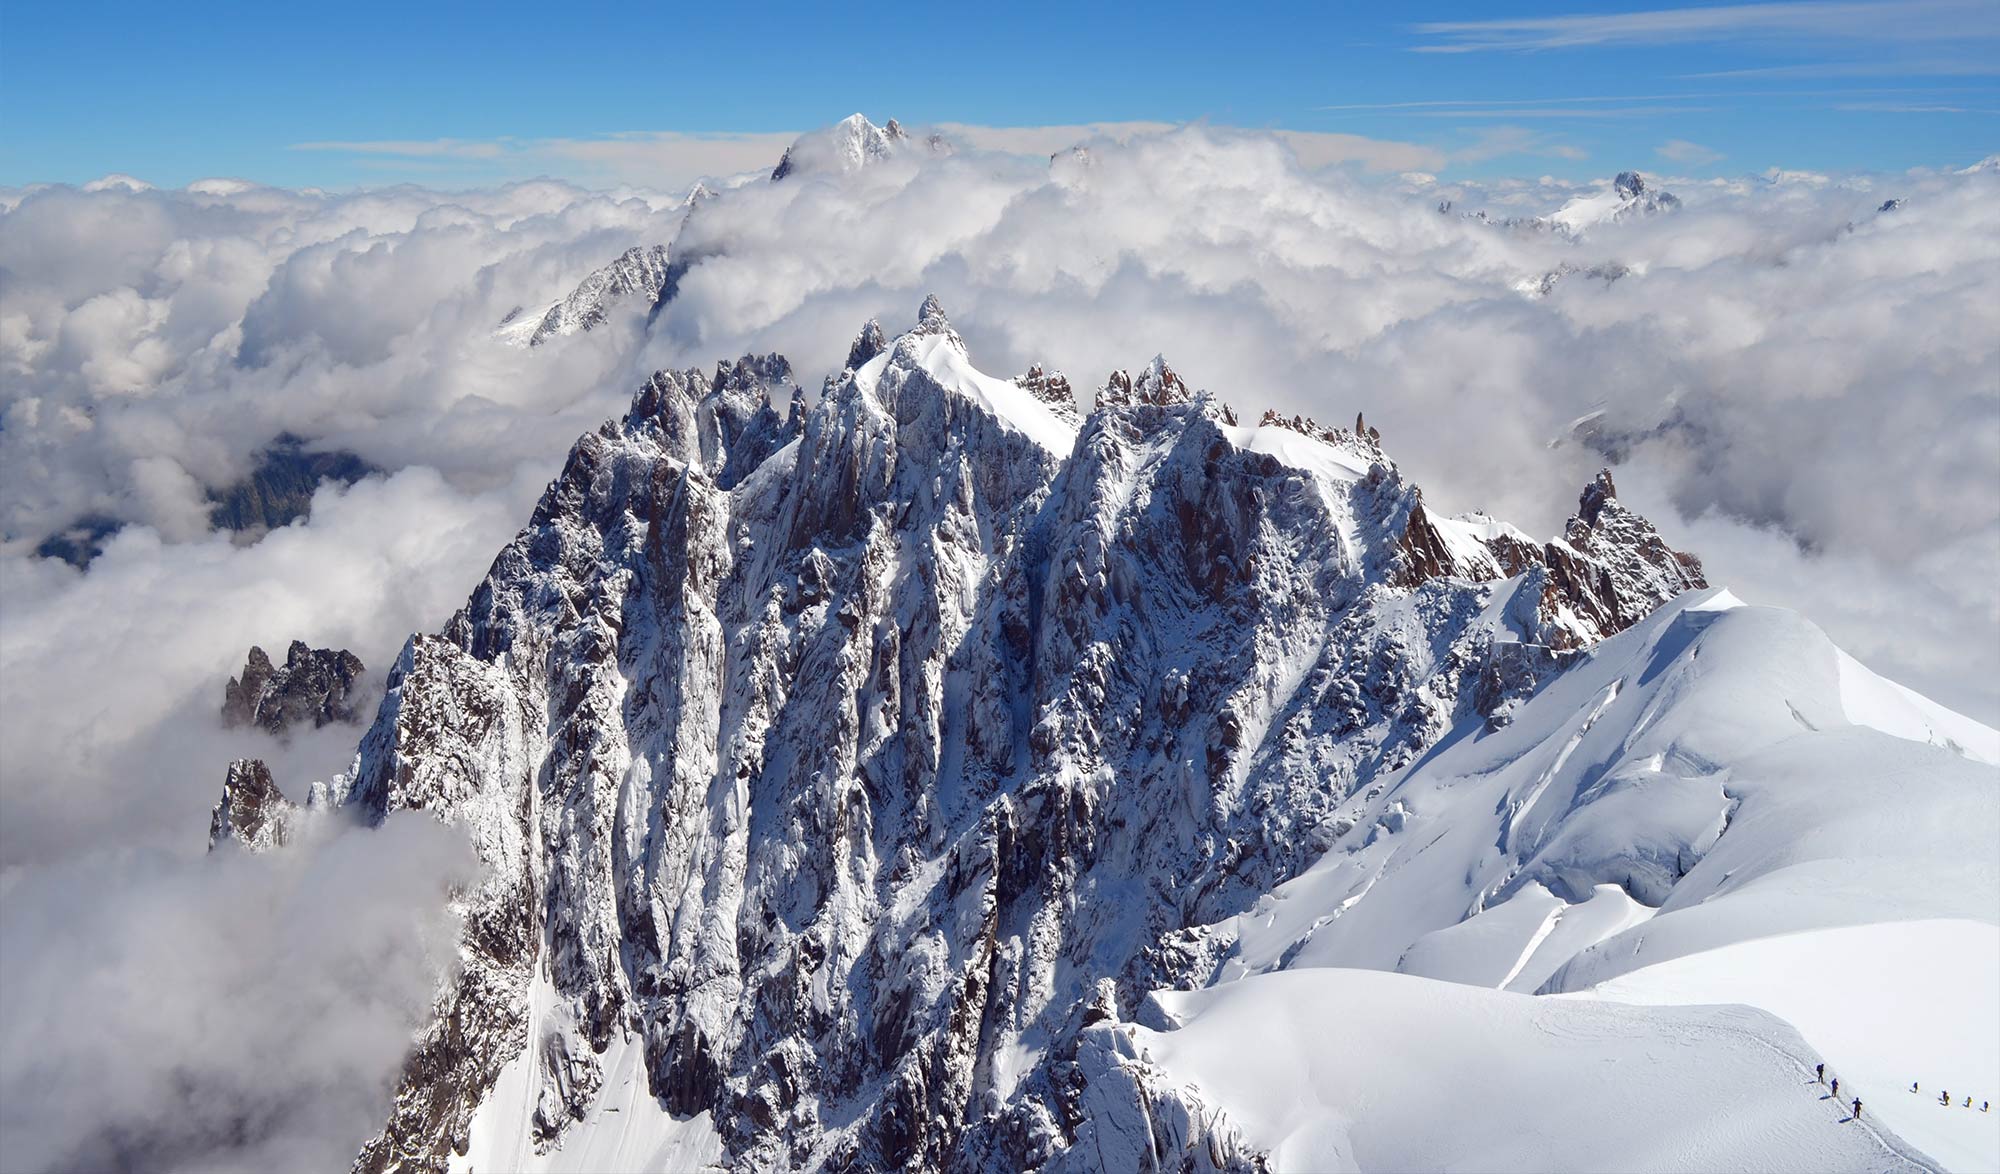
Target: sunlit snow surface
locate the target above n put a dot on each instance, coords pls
(627, 1129)
(1346, 1070)
(1885, 1005)
(1716, 807)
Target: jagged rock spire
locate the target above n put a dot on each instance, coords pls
(869, 343)
(1591, 502)
(252, 811)
(1609, 570)
(931, 314)
(1053, 389)
(315, 685)
(1157, 385)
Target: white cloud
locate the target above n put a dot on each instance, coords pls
(227, 1013)
(233, 1014)
(1043, 140)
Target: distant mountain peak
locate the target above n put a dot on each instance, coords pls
(313, 687)
(636, 276)
(1156, 384)
(1628, 198)
(850, 145)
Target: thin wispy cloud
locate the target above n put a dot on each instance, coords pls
(1470, 102)
(1561, 112)
(1682, 151)
(1916, 20)
(1909, 108)
(1615, 99)
(414, 148)
(1501, 142)
(1859, 69)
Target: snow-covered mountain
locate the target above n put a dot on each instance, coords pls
(850, 145)
(850, 776)
(636, 276)
(1628, 197)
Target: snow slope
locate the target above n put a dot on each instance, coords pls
(1704, 763)
(1884, 1004)
(1715, 807)
(1349, 1070)
(627, 1129)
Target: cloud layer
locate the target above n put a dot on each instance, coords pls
(1800, 387)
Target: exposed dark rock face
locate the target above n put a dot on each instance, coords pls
(869, 343)
(314, 686)
(848, 762)
(252, 811)
(280, 488)
(277, 492)
(1609, 570)
(1157, 386)
(1053, 389)
(81, 542)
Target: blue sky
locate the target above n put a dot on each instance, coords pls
(369, 94)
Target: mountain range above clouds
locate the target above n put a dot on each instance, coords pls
(927, 767)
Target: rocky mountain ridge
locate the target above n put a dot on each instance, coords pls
(636, 275)
(848, 761)
(314, 685)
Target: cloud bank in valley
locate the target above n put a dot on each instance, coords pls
(1798, 385)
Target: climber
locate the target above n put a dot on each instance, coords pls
(1819, 1070)
(1913, 1086)
(1944, 1098)
(1857, 1108)
(1836, 1088)
(1968, 1101)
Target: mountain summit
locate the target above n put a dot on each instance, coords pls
(850, 145)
